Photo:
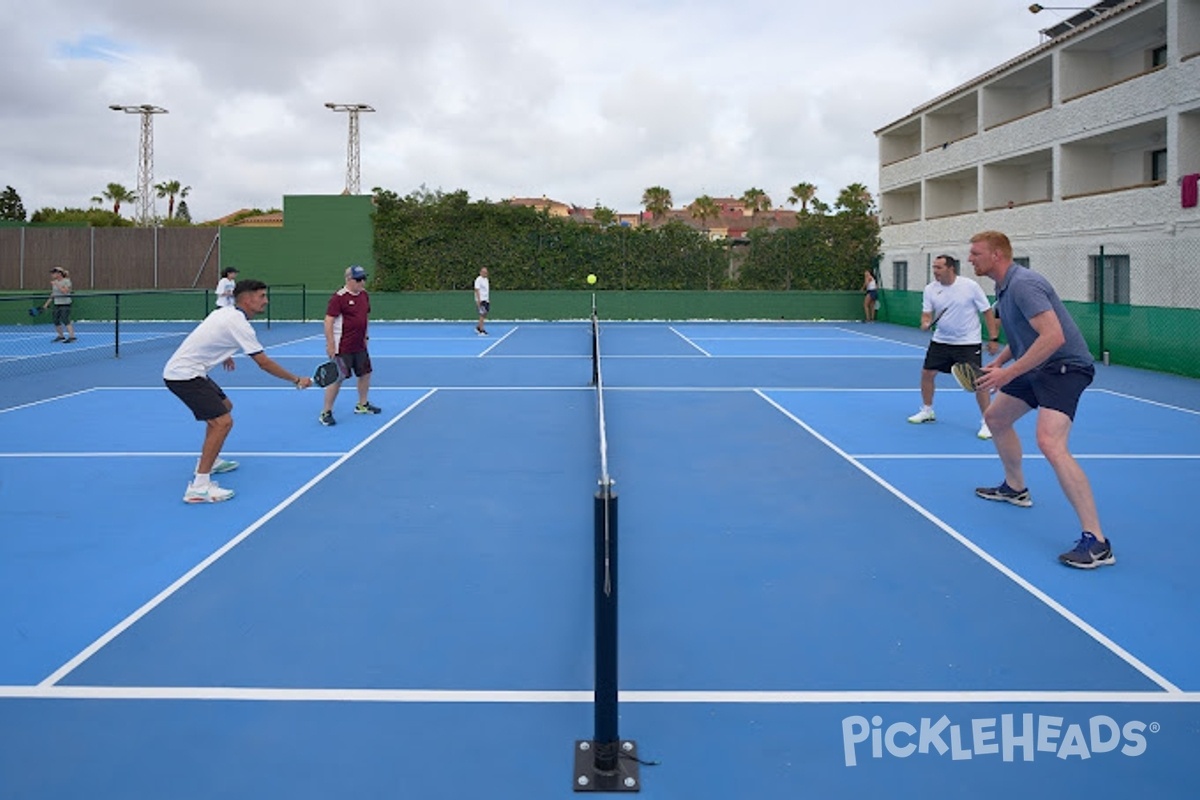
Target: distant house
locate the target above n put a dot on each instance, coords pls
(552, 207)
(243, 218)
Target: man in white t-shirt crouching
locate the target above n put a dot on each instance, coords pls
(215, 341)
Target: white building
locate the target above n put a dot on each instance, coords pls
(1090, 140)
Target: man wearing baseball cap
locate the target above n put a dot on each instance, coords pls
(60, 296)
(346, 341)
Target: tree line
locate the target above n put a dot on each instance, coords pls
(12, 207)
(438, 241)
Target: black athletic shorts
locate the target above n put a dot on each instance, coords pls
(354, 364)
(940, 357)
(202, 396)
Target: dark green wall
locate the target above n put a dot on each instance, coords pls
(320, 237)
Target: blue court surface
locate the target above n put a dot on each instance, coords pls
(813, 603)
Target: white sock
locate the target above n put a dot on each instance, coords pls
(201, 480)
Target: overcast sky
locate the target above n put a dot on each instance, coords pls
(580, 102)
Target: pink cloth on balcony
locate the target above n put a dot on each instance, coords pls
(1191, 187)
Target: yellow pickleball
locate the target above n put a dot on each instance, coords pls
(591, 278)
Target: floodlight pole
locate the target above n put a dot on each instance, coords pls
(145, 191)
(352, 143)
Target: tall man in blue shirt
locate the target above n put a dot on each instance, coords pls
(1050, 367)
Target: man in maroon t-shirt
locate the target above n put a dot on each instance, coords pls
(346, 341)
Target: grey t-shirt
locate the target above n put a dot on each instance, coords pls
(1025, 294)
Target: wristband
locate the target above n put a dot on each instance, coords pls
(994, 339)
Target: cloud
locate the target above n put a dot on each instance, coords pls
(581, 103)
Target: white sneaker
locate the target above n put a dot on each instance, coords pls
(212, 493)
(924, 415)
(984, 433)
(221, 465)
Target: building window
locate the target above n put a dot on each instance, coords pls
(1022, 260)
(1113, 283)
(900, 275)
(1158, 166)
(1158, 57)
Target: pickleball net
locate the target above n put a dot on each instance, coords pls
(605, 763)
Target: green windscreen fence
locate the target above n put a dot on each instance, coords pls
(1137, 302)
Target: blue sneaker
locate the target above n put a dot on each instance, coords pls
(1089, 553)
(1005, 494)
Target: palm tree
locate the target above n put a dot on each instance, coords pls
(115, 194)
(820, 206)
(802, 193)
(855, 199)
(756, 200)
(171, 189)
(704, 208)
(657, 201)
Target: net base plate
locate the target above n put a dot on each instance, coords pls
(624, 777)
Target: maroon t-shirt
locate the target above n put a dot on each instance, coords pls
(349, 312)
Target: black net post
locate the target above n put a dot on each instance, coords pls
(117, 325)
(605, 763)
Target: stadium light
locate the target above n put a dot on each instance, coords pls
(352, 142)
(145, 195)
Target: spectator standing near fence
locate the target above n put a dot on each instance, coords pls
(60, 297)
(483, 304)
(870, 295)
(225, 287)
(1051, 366)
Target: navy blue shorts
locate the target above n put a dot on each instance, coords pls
(202, 396)
(1056, 386)
(484, 308)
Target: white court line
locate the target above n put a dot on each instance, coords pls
(496, 343)
(150, 605)
(47, 400)
(267, 694)
(865, 335)
(1149, 402)
(692, 343)
(167, 454)
(676, 357)
(385, 356)
(773, 339)
(1053, 604)
(1030, 457)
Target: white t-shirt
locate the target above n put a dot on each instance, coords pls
(959, 306)
(481, 286)
(219, 336)
(225, 292)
